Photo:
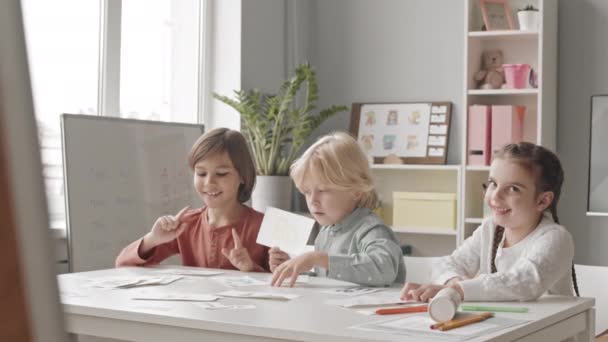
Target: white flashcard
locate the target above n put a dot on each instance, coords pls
(285, 230)
(352, 290)
(436, 140)
(192, 272)
(438, 118)
(239, 281)
(220, 306)
(439, 109)
(438, 129)
(436, 152)
(178, 297)
(258, 295)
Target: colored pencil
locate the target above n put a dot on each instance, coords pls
(465, 321)
(407, 309)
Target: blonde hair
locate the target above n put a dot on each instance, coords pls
(337, 161)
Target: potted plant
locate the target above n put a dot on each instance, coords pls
(528, 18)
(276, 129)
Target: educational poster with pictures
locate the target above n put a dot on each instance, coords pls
(399, 129)
(402, 133)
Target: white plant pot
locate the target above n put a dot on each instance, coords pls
(528, 20)
(272, 191)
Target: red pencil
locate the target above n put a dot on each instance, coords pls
(407, 309)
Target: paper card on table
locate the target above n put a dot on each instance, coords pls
(352, 290)
(285, 230)
(188, 271)
(376, 299)
(219, 306)
(239, 281)
(129, 282)
(258, 295)
(302, 279)
(174, 296)
(419, 325)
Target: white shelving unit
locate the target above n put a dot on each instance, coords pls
(537, 48)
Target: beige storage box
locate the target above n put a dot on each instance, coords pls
(424, 210)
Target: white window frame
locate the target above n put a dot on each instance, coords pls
(108, 103)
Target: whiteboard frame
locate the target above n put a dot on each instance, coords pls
(66, 162)
(589, 212)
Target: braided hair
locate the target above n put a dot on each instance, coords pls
(549, 177)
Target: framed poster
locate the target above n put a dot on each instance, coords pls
(496, 15)
(402, 133)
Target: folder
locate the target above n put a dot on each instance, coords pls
(507, 125)
(479, 135)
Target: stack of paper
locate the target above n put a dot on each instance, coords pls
(129, 282)
(239, 281)
(368, 301)
(193, 272)
(258, 295)
(352, 290)
(173, 296)
(219, 306)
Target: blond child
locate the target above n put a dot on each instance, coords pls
(520, 252)
(353, 243)
(222, 234)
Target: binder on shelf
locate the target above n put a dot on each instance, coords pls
(479, 135)
(507, 125)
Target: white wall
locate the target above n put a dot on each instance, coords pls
(263, 45)
(583, 71)
(389, 50)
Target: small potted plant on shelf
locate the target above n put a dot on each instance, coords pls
(528, 18)
(276, 129)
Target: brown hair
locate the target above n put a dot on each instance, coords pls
(221, 140)
(549, 175)
(337, 161)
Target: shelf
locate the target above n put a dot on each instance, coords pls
(503, 35)
(527, 91)
(477, 168)
(473, 220)
(415, 167)
(430, 231)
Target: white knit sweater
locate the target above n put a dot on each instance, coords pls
(540, 263)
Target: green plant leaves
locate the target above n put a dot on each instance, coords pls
(274, 127)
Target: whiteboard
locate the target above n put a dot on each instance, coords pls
(120, 176)
(598, 157)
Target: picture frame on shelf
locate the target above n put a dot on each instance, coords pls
(402, 132)
(496, 15)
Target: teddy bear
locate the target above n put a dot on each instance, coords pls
(491, 75)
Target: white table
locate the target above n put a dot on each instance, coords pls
(111, 314)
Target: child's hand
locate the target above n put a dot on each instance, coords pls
(419, 293)
(239, 256)
(166, 228)
(276, 257)
(292, 268)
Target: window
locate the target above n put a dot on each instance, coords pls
(158, 77)
(158, 60)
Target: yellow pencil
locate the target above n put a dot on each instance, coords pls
(465, 321)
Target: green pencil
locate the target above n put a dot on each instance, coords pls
(492, 308)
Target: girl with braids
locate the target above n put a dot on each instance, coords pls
(520, 252)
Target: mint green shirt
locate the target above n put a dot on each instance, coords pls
(361, 249)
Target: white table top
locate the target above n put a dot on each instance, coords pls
(307, 318)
